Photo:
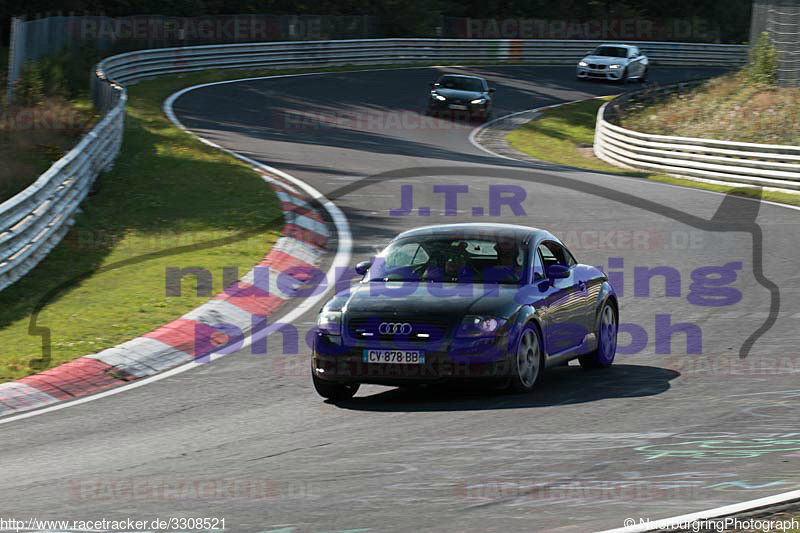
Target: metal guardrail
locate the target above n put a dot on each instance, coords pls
(764, 165)
(35, 220)
(135, 65)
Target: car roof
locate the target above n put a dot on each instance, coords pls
(460, 76)
(616, 45)
(514, 230)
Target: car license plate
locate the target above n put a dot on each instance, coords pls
(457, 106)
(405, 357)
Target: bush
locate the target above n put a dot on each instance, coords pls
(763, 62)
(64, 75)
(30, 91)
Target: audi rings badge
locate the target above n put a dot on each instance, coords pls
(395, 328)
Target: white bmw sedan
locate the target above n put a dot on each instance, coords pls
(614, 62)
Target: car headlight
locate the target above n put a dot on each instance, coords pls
(583, 63)
(613, 66)
(438, 97)
(330, 323)
(478, 101)
(479, 326)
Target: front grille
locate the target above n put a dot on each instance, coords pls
(596, 66)
(423, 329)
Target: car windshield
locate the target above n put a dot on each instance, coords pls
(464, 259)
(461, 84)
(610, 51)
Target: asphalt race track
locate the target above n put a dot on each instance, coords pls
(657, 435)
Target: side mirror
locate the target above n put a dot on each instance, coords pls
(362, 267)
(492, 89)
(588, 53)
(557, 271)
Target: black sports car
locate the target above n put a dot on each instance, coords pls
(465, 301)
(470, 95)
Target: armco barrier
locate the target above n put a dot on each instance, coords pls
(35, 220)
(765, 165)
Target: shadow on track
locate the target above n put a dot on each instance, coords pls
(562, 386)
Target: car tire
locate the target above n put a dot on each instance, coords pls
(607, 329)
(643, 77)
(624, 79)
(334, 391)
(527, 366)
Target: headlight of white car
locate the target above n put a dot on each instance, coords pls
(583, 63)
(614, 66)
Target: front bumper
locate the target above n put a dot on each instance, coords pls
(600, 74)
(454, 359)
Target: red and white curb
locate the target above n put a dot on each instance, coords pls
(195, 334)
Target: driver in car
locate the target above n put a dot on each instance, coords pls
(508, 263)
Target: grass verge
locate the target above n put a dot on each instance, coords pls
(729, 108)
(565, 135)
(166, 190)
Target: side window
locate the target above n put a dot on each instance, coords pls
(633, 52)
(554, 253)
(538, 267)
(410, 254)
(547, 256)
(420, 257)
